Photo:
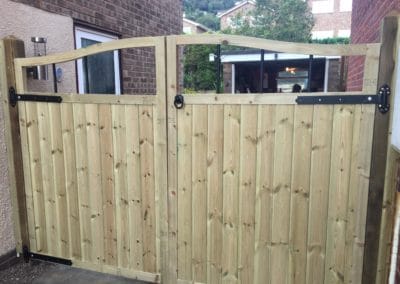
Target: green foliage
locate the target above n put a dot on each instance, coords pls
(209, 20)
(204, 11)
(210, 6)
(287, 20)
(199, 72)
(335, 40)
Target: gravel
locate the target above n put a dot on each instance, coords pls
(41, 272)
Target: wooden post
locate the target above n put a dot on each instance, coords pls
(388, 207)
(11, 48)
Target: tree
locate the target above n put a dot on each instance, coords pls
(288, 20)
(199, 72)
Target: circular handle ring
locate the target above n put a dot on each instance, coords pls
(179, 101)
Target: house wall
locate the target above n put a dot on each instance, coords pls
(243, 11)
(125, 18)
(366, 23)
(23, 22)
(192, 28)
(332, 18)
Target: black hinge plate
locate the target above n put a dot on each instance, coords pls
(14, 98)
(381, 99)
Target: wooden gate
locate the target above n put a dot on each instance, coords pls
(94, 171)
(268, 191)
(238, 188)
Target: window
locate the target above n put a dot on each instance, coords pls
(323, 6)
(99, 73)
(322, 34)
(346, 5)
(290, 77)
(187, 30)
(344, 33)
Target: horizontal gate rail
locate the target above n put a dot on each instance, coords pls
(278, 46)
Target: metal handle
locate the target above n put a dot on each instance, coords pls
(179, 101)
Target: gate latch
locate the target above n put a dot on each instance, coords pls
(381, 99)
(179, 101)
(14, 98)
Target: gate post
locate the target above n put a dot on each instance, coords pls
(11, 48)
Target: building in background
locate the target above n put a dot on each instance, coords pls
(332, 17)
(241, 8)
(243, 72)
(191, 27)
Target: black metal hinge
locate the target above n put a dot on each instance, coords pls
(30, 255)
(14, 98)
(381, 99)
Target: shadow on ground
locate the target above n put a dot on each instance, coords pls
(38, 272)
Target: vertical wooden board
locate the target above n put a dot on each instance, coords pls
(161, 159)
(281, 194)
(59, 182)
(95, 182)
(358, 196)
(264, 189)
(172, 89)
(247, 192)
(215, 193)
(107, 181)
(36, 176)
(231, 166)
(120, 185)
(338, 192)
(70, 166)
(301, 164)
(185, 122)
(83, 181)
(133, 154)
(48, 178)
(319, 193)
(199, 193)
(30, 211)
(351, 218)
(147, 183)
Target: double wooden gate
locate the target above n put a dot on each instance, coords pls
(249, 188)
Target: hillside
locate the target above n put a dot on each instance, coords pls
(205, 11)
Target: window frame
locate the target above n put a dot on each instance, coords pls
(87, 33)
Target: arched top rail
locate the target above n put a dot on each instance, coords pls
(243, 41)
(279, 46)
(91, 50)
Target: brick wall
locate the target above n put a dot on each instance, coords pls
(366, 23)
(335, 21)
(126, 18)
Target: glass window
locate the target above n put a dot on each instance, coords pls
(323, 6)
(290, 77)
(99, 73)
(346, 5)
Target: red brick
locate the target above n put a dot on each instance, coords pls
(366, 22)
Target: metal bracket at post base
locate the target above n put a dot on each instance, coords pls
(381, 99)
(14, 98)
(30, 255)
